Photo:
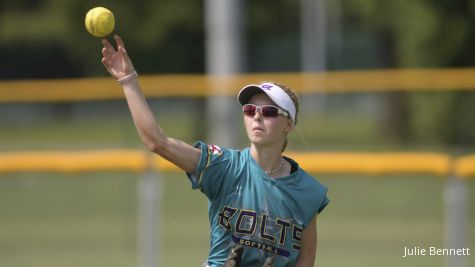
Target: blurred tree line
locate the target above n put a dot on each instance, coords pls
(428, 34)
(47, 39)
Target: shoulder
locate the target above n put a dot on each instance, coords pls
(312, 183)
(307, 179)
(315, 192)
(217, 171)
(212, 154)
(319, 197)
(212, 151)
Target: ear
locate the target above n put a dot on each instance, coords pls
(290, 126)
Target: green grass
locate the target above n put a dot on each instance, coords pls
(114, 132)
(90, 220)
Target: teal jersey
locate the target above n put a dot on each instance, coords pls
(246, 206)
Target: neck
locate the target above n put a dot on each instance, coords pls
(269, 158)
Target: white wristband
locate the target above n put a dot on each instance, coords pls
(128, 78)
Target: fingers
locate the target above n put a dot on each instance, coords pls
(106, 64)
(122, 51)
(106, 53)
(117, 62)
(120, 43)
(108, 50)
(108, 46)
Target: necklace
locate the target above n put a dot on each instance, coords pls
(269, 172)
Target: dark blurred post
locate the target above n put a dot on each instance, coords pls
(313, 46)
(224, 56)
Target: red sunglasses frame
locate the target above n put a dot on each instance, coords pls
(267, 111)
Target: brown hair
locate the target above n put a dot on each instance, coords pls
(293, 95)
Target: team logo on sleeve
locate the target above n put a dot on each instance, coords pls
(215, 150)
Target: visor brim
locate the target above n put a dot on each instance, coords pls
(247, 92)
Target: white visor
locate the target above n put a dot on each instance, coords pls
(277, 94)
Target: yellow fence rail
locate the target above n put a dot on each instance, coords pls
(337, 163)
(465, 166)
(86, 89)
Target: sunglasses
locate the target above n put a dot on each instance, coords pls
(266, 110)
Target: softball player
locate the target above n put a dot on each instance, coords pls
(259, 200)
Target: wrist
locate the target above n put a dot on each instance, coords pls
(127, 78)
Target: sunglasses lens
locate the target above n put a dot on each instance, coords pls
(268, 111)
(249, 110)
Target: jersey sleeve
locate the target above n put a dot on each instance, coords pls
(318, 194)
(324, 203)
(212, 169)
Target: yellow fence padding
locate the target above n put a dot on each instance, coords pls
(362, 163)
(62, 161)
(373, 163)
(189, 85)
(465, 166)
(315, 162)
(165, 165)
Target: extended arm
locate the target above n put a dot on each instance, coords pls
(119, 65)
